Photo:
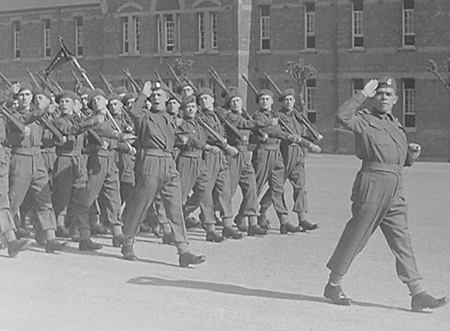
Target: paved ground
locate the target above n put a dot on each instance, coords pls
(274, 283)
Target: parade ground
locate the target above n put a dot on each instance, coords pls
(271, 283)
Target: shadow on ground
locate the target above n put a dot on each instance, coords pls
(241, 290)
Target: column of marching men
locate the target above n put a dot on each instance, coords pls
(81, 163)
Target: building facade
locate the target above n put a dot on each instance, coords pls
(347, 41)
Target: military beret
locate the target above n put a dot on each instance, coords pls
(263, 92)
(113, 96)
(67, 94)
(285, 93)
(174, 97)
(187, 100)
(387, 81)
(128, 96)
(229, 89)
(40, 90)
(232, 94)
(84, 90)
(182, 85)
(93, 93)
(204, 90)
(121, 90)
(25, 86)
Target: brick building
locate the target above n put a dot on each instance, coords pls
(347, 41)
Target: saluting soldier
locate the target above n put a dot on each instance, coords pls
(28, 172)
(377, 197)
(294, 161)
(268, 161)
(156, 172)
(70, 175)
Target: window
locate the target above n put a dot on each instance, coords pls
(78, 36)
(409, 95)
(310, 100)
(16, 39)
(137, 44)
(201, 31)
(168, 33)
(125, 36)
(357, 32)
(265, 27)
(214, 31)
(131, 35)
(357, 86)
(47, 45)
(310, 25)
(207, 31)
(408, 23)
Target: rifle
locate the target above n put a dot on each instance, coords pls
(131, 79)
(5, 80)
(314, 132)
(200, 121)
(280, 119)
(55, 83)
(35, 82)
(108, 85)
(215, 75)
(13, 119)
(51, 88)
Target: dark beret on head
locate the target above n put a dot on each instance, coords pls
(40, 90)
(285, 93)
(93, 93)
(26, 86)
(188, 100)
(67, 94)
(263, 92)
(387, 81)
(204, 90)
(114, 96)
(128, 96)
(233, 94)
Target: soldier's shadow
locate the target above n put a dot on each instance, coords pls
(241, 290)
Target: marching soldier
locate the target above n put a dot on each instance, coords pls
(70, 176)
(156, 172)
(241, 168)
(28, 172)
(268, 161)
(218, 173)
(125, 155)
(7, 227)
(190, 164)
(377, 198)
(294, 161)
(103, 175)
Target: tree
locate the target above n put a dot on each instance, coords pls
(300, 72)
(432, 67)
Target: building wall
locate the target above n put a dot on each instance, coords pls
(239, 51)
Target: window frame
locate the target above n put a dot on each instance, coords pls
(311, 99)
(79, 32)
(264, 28)
(47, 38)
(409, 102)
(408, 34)
(16, 40)
(125, 35)
(310, 25)
(357, 24)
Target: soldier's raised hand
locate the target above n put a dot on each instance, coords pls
(147, 89)
(371, 88)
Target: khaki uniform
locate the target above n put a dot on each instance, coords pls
(377, 191)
